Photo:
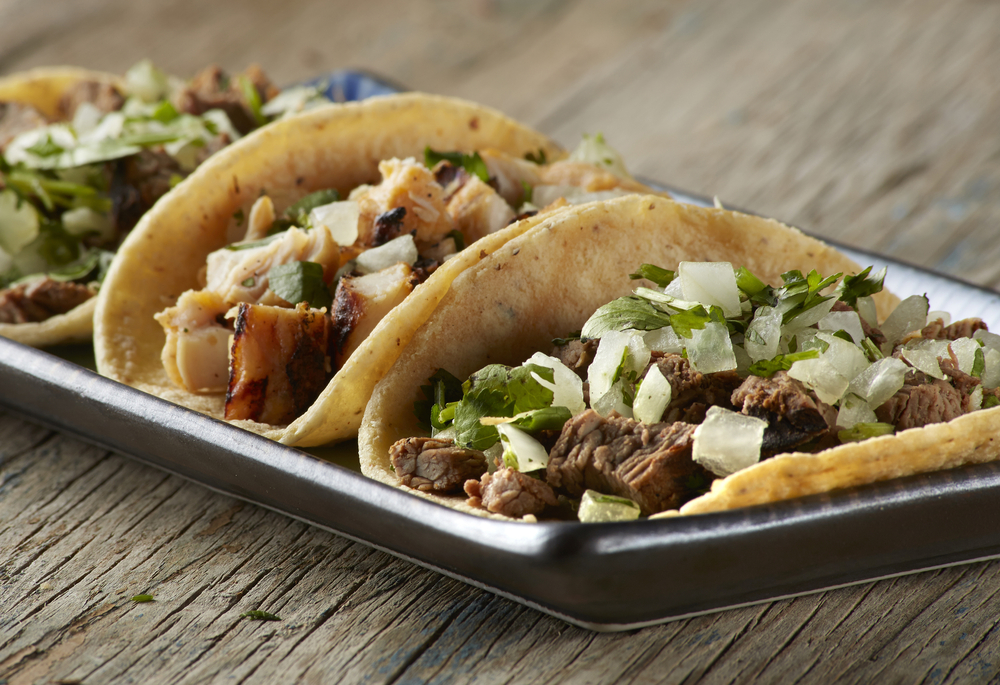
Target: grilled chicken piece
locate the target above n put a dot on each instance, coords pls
(479, 210)
(241, 275)
(195, 355)
(261, 218)
(279, 363)
(361, 302)
(411, 186)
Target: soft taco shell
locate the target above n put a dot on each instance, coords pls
(42, 88)
(338, 146)
(548, 281)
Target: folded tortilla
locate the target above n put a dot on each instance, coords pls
(339, 146)
(42, 88)
(548, 281)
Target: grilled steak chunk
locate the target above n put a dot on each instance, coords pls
(434, 465)
(103, 96)
(922, 401)
(211, 88)
(648, 463)
(960, 329)
(510, 493)
(793, 413)
(576, 355)
(693, 392)
(17, 118)
(40, 300)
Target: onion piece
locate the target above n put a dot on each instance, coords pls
(727, 442)
(763, 334)
(843, 321)
(521, 451)
(567, 387)
(991, 372)
(598, 508)
(965, 352)
(908, 316)
(880, 381)
(341, 219)
(664, 340)
(710, 283)
(612, 401)
(854, 410)
(923, 360)
(867, 311)
(398, 250)
(820, 375)
(844, 356)
(652, 397)
(620, 352)
(710, 349)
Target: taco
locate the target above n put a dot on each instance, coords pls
(742, 363)
(82, 156)
(250, 292)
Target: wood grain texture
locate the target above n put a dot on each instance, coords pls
(870, 122)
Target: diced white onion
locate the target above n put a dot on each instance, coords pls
(989, 340)
(844, 356)
(341, 219)
(146, 82)
(854, 410)
(923, 360)
(810, 317)
(521, 451)
(763, 334)
(652, 397)
(867, 310)
(612, 401)
(818, 374)
(598, 508)
(664, 340)
(19, 225)
(567, 387)
(880, 381)
(727, 442)
(991, 374)
(83, 220)
(398, 250)
(934, 316)
(594, 150)
(622, 351)
(710, 349)
(711, 283)
(965, 352)
(910, 315)
(843, 321)
(674, 289)
(976, 398)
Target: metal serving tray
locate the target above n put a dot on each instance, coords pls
(603, 577)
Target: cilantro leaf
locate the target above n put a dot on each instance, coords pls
(546, 418)
(252, 98)
(473, 163)
(625, 313)
(46, 148)
(537, 157)
(862, 285)
(497, 390)
(300, 282)
(459, 239)
(442, 388)
(863, 431)
(768, 367)
(659, 276)
(298, 213)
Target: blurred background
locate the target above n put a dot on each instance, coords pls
(874, 123)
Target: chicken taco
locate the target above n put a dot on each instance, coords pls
(82, 156)
(640, 357)
(254, 292)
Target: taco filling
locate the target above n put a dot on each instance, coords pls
(705, 374)
(72, 185)
(281, 311)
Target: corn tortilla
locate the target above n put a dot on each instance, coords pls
(548, 281)
(337, 146)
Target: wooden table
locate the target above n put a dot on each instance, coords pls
(874, 123)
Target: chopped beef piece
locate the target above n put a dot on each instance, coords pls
(127, 206)
(433, 465)
(577, 355)
(648, 463)
(17, 118)
(936, 329)
(40, 300)
(692, 393)
(962, 381)
(150, 173)
(450, 177)
(523, 215)
(103, 96)
(211, 88)
(510, 493)
(388, 225)
(921, 401)
(867, 329)
(794, 414)
(422, 270)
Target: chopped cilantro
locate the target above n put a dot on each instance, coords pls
(498, 390)
(990, 401)
(862, 285)
(298, 213)
(768, 367)
(802, 293)
(249, 282)
(659, 276)
(442, 389)
(979, 363)
(138, 599)
(473, 163)
(252, 98)
(863, 431)
(526, 192)
(239, 217)
(537, 157)
(625, 313)
(46, 148)
(459, 239)
(300, 282)
(165, 112)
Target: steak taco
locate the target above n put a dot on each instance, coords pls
(261, 290)
(82, 156)
(640, 357)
